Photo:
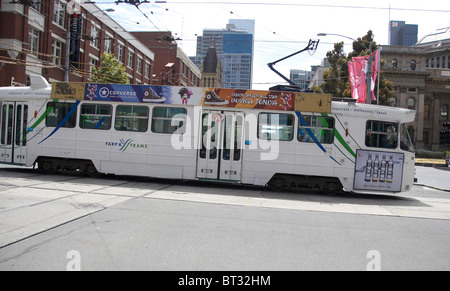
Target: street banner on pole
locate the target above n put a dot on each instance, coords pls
(357, 72)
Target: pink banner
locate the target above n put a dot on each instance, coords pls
(357, 71)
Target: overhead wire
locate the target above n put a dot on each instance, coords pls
(288, 4)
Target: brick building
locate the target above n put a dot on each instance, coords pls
(34, 37)
(172, 66)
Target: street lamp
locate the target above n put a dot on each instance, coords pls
(325, 34)
(368, 69)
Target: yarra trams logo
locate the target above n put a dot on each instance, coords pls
(122, 145)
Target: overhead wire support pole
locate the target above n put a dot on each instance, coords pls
(312, 45)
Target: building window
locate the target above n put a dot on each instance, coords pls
(411, 103)
(95, 35)
(413, 65)
(426, 111)
(425, 138)
(275, 126)
(444, 112)
(394, 64)
(139, 66)
(56, 52)
(36, 5)
(130, 59)
(120, 53)
(92, 63)
(59, 13)
(33, 40)
(147, 70)
(108, 45)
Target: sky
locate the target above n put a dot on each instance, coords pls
(282, 27)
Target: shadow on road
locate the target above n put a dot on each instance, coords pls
(216, 188)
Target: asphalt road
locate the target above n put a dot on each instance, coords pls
(60, 222)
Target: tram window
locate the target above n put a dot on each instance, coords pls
(275, 126)
(21, 125)
(232, 144)
(3, 125)
(131, 118)
(316, 128)
(381, 134)
(58, 112)
(96, 116)
(168, 120)
(405, 139)
(7, 119)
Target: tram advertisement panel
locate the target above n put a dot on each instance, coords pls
(378, 171)
(252, 99)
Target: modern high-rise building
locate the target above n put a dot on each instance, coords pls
(402, 34)
(234, 46)
(302, 78)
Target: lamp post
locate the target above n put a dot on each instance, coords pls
(368, 66)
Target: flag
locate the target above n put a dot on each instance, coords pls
(357, 72)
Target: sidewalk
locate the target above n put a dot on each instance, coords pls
(433, 176)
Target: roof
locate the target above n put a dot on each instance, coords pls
(210, 62)
(436, 36)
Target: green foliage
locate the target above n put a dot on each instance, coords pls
(421, 153)
(110, 71)
(336, 78)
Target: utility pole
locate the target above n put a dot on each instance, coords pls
(369, 79)
(67, 64)
(369, 76)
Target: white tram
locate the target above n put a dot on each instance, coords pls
(284, 140)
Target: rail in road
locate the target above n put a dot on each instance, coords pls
(31, 202)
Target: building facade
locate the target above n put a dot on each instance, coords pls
(234, 47)
(302, 78)
(63, 43)
(421, 79)
(317, 77)
(172, 66)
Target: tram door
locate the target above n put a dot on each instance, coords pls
(13, 130)
(221, 143)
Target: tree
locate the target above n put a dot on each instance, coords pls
(336, 78)
(110, 71)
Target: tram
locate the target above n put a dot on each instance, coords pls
(283, 140)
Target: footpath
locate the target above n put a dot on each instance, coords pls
(433, 173)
